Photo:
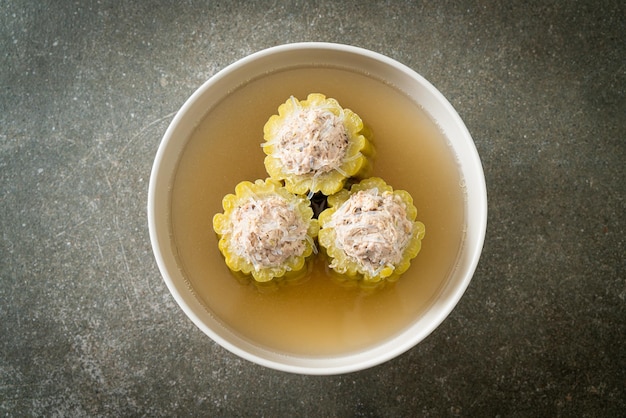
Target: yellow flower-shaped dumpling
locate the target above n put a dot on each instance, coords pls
(370, 232)
(265, 230)
(315, 145)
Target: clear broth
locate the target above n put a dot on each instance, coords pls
(318, 316)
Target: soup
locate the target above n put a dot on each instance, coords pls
(316, 316)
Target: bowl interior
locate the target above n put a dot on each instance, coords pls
(288, 61)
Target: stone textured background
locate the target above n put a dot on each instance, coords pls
(88, 327)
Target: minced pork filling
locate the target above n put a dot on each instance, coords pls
(311, 141)
(267, 231)
(372, 229)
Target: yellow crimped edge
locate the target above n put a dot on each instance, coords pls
(342, 263)
(354, 164)
(294, 265)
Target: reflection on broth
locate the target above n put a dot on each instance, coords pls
(317, 314)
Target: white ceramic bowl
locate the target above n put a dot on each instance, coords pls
(330, 55)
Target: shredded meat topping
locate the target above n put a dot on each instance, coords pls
(267, 231)
(372, 229)
(311, 140)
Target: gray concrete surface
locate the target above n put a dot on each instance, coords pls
(88, 327)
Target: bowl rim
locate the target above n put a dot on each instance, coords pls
(369, 357)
